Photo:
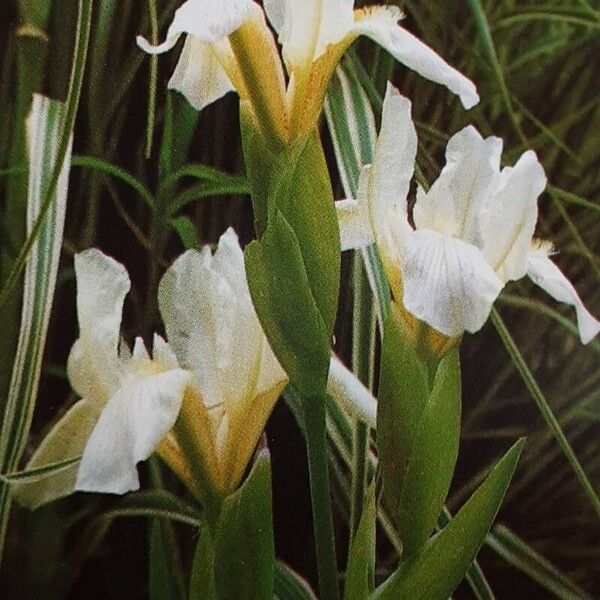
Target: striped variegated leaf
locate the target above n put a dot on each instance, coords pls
(351, 123)
(44, 130)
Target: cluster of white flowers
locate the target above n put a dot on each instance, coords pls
(473, 232)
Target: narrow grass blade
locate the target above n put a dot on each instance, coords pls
(490, 50)
(523, 557)
(544, 408)
(32, 475)
(102, 166)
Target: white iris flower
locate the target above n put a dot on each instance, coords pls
(230, 47)
(201, 402)
(217, 363)
(473, 230)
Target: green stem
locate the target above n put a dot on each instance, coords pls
(363, 346)
(544, 407)
(320, 493)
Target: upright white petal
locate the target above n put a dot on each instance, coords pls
(307, 27)
(509, 223)
(207, 20)
(163, 354)
(199, 75)
(211, 322)
(381, 25)
(447, 282)
(393, 160)
(94, 367)
(298, 24)
(347, 389)
(337, 22)
(276, 11)
(544, 273)
(458, 198)
(184, 300)
(228, 261)
(141, 412)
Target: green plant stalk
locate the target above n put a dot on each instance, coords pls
(314, 412)
(544, 408)
(363, 349)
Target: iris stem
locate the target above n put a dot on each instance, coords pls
(320, 493)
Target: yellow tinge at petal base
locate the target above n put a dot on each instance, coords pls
(245, 430)
(229, 46)
(211, 324)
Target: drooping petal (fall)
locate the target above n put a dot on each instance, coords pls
(199, 75)
(459, 196)
(509, 222)
(545, 274)
(206, 20)
(94, 366)
(137, 417)
(380, 23)
(447, 282)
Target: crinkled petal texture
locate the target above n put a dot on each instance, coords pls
(210, 321)
(206, 20)
(136, 418)
(473, 200)
(544, 273)
(458, 197)
(508, 221)
(447, 282)
(380, 23)
(199, 74)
